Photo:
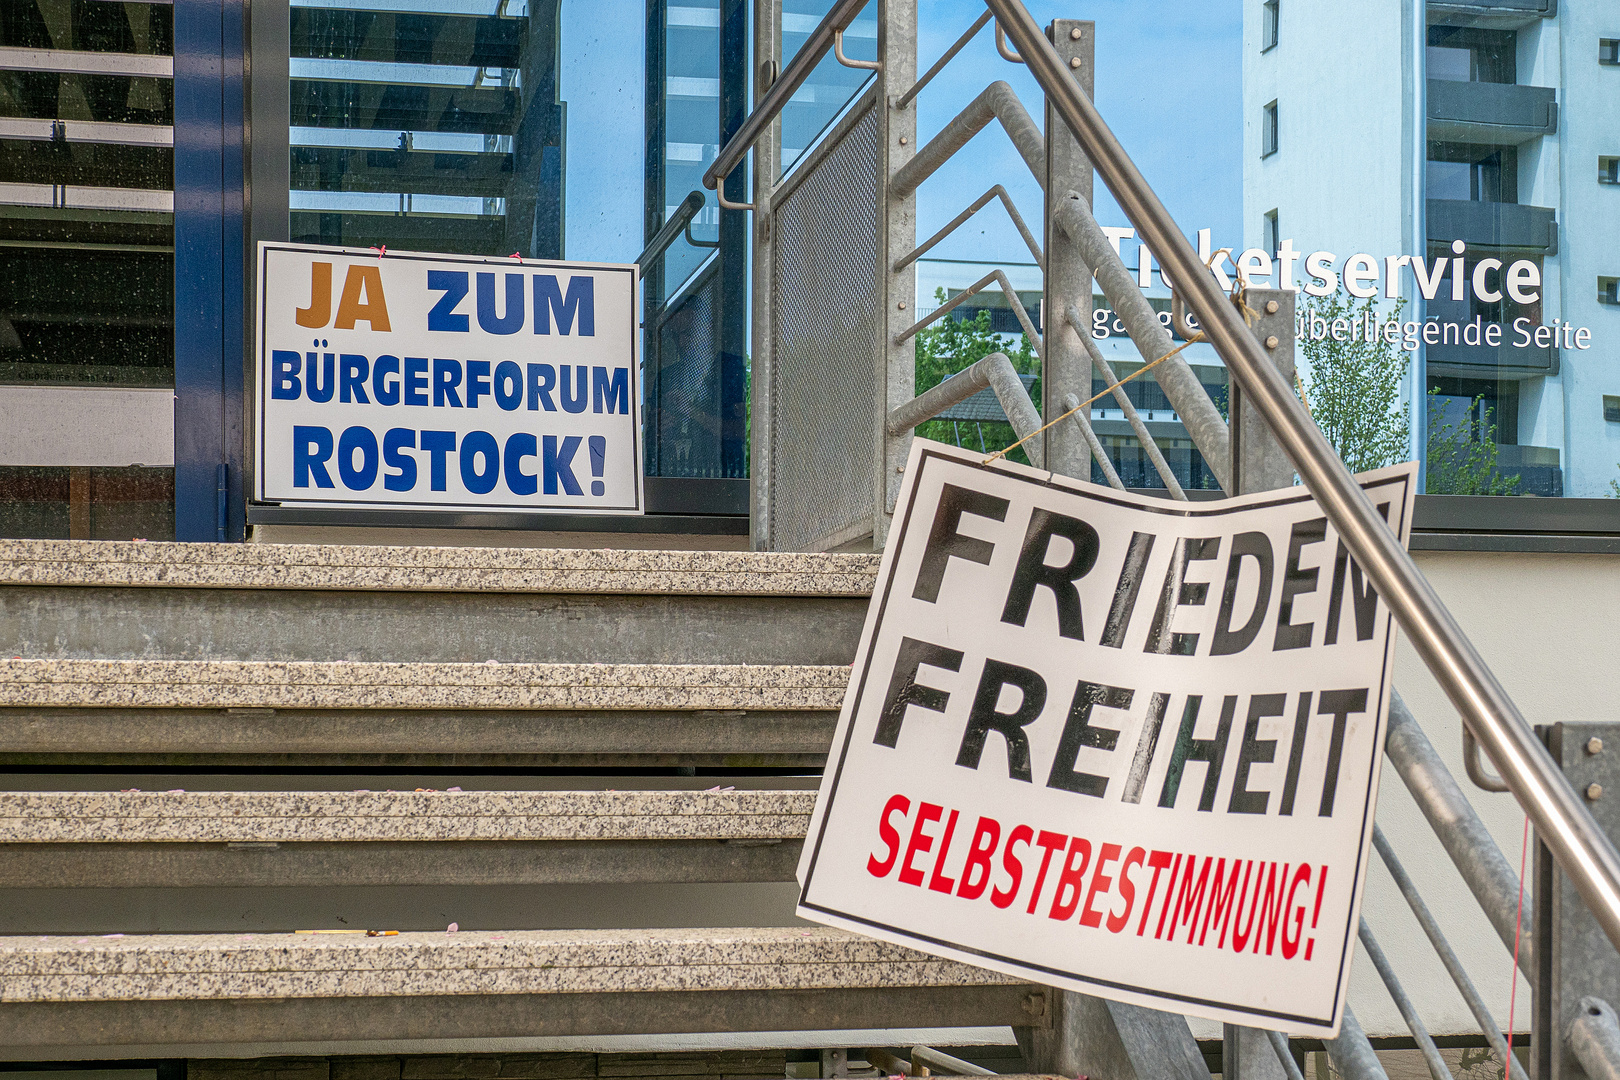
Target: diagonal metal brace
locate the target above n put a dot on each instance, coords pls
(1187, 395)
(1012, 298)
(978, 204)
(994, 371)
(1143, 436)
(996, 102)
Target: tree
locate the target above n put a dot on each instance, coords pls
(953, 344)
(1462, 455)
(1353, 387)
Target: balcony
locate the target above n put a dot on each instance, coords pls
(1503, 14)
(1514, 226)
(1499, 114)
(1503, 361)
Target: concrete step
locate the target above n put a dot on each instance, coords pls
(88, 599)
(330, 839)
(202, 712)
(244, 988)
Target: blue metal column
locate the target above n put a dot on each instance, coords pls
(209, 254)
(734, 227)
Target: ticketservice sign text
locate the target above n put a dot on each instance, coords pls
(1111, 743)
(446, 382)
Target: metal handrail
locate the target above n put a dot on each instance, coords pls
(811, 53)
(669, 230)
(1575, 841)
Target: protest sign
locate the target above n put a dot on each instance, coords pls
(1113, 743)
(446, 382)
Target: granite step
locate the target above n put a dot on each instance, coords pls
(236, 988)
(198, 712)
(92, 599)
(327, 839)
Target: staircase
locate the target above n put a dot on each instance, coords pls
(293, 686)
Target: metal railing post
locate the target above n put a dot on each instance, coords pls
(1258, 461)
(897, 235)
(1581, 849)
(1067, 367)
(762, 361)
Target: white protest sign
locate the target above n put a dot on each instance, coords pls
(446, 382)
(1111, 743)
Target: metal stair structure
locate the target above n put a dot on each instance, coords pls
(152, 657)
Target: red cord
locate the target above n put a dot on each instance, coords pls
(1518, 930)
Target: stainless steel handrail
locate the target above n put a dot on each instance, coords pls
(811, 53)
(669, 230)
(1578, 845)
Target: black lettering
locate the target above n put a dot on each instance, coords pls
(1147, 743)
(944, 541)
(1179, 592)
(1078, 732)
(1295, 582)
(1257, 546)
(903, 688)
(1296, 753)
(1338, 704)
(983, 718)
(1131, 574)
(1252, 750)
(1363, 599)
(1188, 749)
(1034, 572)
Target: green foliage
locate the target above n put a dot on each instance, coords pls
(1354, 387)
(951, 345)
(1462, 456)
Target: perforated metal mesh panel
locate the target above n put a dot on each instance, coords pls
(825, 356)
(683, 386)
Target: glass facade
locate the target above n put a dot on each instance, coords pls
(86, 258)
(427, 127)
(1441, 197)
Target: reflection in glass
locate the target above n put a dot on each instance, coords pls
(86, 202)
(429, 127)
(831, 86)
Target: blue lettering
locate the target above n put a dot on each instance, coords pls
(476, 444)
(394, 443)
(355, 369)
(312, 448)
(512, 322)
(453, 283)
(614, 391)
(570, 402)
(477, 381)
(416, 381)
(437, 444)
(542, 380)
(446, 377)
(548, 300)
(560, 466)
(508, 373)
(317, 390)
(386, 393)
(365, 441)
(284, 381)
(518, 447)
